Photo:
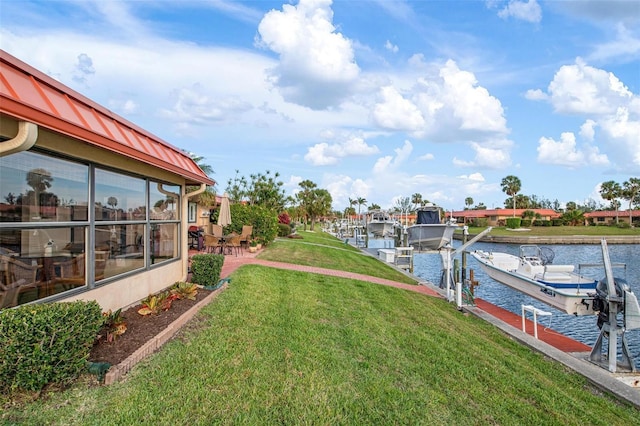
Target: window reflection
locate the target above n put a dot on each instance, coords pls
(164, 201)
(40, 262)
(163, 242)
(120, 248)
(119, 197)
(35, 187)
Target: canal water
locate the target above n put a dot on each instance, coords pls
(583, 329)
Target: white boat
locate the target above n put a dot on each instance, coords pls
(429, 233)
(380, 224)
(531, 273)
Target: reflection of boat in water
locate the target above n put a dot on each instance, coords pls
(429, 233)
(380, 224)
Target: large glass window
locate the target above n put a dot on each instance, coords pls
(119, 197)
(121, 248)
(39, 262)
(37, 188)
(136, 224)
(164, 208)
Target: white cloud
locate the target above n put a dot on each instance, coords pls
(566, 153)
(625, 46)
(536, 95)
(194, 106)
(324, 154)
(612, 119)
(527, 11)
(391, 47)
(317, 65)
(396, 112)
(389, 163)
(582, 89)
(426, 157)
(445, 106)
(587, 130)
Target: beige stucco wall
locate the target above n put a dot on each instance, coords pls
(130, 290)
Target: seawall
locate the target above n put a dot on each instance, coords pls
(564, 239)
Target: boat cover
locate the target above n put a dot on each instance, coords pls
(428, 217)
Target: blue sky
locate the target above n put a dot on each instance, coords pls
(375, 99)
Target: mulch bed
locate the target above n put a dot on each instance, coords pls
(140, 329)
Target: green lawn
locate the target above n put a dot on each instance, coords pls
(284, 347)
(326, 251)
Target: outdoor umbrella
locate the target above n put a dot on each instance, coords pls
(224, 218)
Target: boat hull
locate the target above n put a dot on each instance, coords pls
(575, 300)
(430, 236)
(380, 229)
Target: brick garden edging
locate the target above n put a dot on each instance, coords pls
(116, 372)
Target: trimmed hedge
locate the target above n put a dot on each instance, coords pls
(206, 268)
(47, 343)
(513, 222)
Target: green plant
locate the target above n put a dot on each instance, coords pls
(513, 222)
(184, 290)
(114, 324)
(153, 304)
(206, 268)
(48, 343)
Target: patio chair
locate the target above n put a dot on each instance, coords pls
(212, 243)
(72, 272)
(216, 230)
(233, 242)
(17, 277)
(245, 235)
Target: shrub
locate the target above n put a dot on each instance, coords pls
(206, 268)
(623, 225)
(481, 222)
(284, 218)
(513, 222)
(283, 230)
(48, 343)
(264, 221)
(525, 223)
(556, 222)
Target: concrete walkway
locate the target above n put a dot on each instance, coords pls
(231, 263)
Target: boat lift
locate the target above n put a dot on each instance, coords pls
(448, 253)
(615, 300)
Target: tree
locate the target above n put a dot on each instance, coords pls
(374, 206)
(610, 190)
(208, 197)
(511, 186)
(631, 193)
(264, 189)
(314, 201)
(416, 199)
(468, 202)
(361, 202)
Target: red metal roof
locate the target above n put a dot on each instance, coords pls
(30, 95)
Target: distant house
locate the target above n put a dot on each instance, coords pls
(608, 217)
(498, 217)
(92, 206)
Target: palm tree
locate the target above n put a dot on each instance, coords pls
(361, 202)
(416, 199)
(610, 190)
(468, 202)
(511, 186)
(631, 193)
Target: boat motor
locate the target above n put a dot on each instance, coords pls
(601, 300)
